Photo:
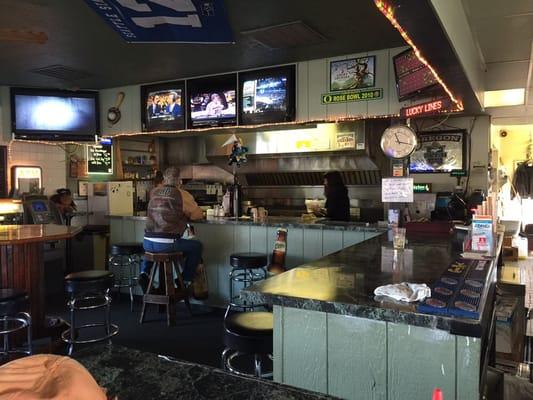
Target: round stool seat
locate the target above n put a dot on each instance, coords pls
(257, 323)
(12, 295)
(248, 260)
(86, 281)
(126, 249)
(12, 301)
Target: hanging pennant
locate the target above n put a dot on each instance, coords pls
(156, 21)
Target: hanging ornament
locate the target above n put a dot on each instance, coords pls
(238, 151)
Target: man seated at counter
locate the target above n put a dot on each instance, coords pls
(169, 210)
(61, 205)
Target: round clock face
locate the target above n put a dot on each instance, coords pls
(398, 141)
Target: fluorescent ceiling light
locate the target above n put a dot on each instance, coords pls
(508, 97)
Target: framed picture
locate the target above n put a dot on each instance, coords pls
(82, 188)
(355, 73)
(439, 151)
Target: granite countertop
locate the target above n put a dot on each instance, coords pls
(131, 375)
(283, 222)
(344, 282)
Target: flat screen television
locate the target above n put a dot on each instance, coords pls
(212, 101)
(267, 95)
(162, 106)
(62, 115)
(412, 77)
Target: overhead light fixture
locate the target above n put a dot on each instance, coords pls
(502, 98)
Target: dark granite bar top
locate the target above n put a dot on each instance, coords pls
(344, 282)
(134, 375)
(283, 222)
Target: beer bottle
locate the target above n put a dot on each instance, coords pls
(277, 262)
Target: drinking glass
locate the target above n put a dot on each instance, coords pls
(398, 238)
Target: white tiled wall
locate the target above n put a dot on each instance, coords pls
(50, 158)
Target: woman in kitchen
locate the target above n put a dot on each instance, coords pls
(337, 201)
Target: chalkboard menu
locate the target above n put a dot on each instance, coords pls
(100, 159)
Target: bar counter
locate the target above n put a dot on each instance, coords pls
(332, 335)
(21, 234)
(22, 262)
(306, 241)
(344, 283)
(131, 375)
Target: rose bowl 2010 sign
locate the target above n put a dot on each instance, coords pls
(431, 107)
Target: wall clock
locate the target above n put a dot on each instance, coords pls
(398, 141)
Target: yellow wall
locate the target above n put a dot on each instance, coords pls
(513, 147)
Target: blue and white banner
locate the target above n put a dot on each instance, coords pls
(156, 21)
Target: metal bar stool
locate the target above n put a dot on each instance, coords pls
(125, 257)
(247, 268)
(247, 333)
(88, 290)
(14, 318)
(168, 294)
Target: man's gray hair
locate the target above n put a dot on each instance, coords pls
(171, 176)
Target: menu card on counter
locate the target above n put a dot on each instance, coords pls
(397, 190)
(100, 159)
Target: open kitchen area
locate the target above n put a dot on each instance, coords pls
(252, 200)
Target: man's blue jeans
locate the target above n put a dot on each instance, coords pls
(191, 249)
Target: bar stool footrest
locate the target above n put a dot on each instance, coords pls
(234, 370)
(113, 331)
(24, 323)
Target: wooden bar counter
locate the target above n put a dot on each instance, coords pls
(22, 262)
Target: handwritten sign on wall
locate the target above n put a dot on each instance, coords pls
(397, 190)
(100, 159)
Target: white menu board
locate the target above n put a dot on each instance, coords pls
(397, 190)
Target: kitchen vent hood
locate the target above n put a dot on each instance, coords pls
(300, 157)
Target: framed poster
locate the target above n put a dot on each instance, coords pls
(83, 188)
(439, 151)
(355, 73)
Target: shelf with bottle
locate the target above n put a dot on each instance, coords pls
(125, 164)
(142, 176)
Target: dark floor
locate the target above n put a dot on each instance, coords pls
(197, 339)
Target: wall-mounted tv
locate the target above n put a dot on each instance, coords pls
(267, 95)
(412, 77)
(212, 101)
(162, 106)
(62, 115)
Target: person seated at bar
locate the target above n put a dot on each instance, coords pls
(62, 205)
(169, 210)
(337, 201)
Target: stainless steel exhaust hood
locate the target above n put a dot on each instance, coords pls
(300, 157)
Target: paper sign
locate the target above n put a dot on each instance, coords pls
(345, 140)
(397, 190)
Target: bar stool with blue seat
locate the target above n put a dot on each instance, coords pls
(14, 317)
(125, 257)
(89, 290)
(247, 268)
(248, 333)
